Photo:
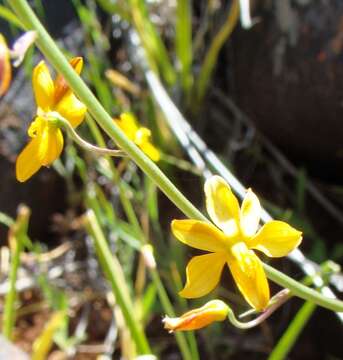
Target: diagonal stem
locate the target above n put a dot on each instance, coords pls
(57, 59)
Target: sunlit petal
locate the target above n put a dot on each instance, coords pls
(72, 109)
(276, 239)
(151, 151)
(36, 126)
(51, 145)
(28, 161)
(249, 276)
(222, 205)
(128, 125)
(142, 136)
(200, 235)
(43, 86)
(250, 214)
(203, 274)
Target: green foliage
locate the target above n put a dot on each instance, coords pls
(124, 207)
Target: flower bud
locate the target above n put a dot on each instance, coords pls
(214, 310)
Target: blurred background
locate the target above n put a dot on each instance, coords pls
(260, 82)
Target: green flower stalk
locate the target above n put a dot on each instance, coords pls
(57, 59)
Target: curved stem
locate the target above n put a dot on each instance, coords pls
(62, 122)
(278, 300)
(57, 59)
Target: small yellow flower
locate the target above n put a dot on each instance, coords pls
(214, 310)
(139, 135)
(232, 244)
(5, 66)
(46, 142)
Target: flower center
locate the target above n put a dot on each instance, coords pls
(241, 254)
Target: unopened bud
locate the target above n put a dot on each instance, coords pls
(214, 310)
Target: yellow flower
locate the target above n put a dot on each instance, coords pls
(232, 244)
(139, 135)
(214, 310)
(5, 66)
(46, 142)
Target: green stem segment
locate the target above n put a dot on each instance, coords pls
(17, 236)
(302, 291)
(57, 59)
(62, 122)
(113, 271)
(132, 218)
(289, 337)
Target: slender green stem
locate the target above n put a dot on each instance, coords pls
(125, 201)
(10, 17)
(212, 54)
(62, 122)
(17, 238)
(285, 344)
(113, 271)
(57, 59)
(183, 43)
(278, 300)
(168, 308)
(302, 291)
(131, 215)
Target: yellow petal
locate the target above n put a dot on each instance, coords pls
(128, 125)
(61, 86)
(43, 86)
(249, 275)
(222, 205)
(276, 239)
(71, 109)
(5, 66)
(199, 235)
(250, 214)
(203, 274)
(36, 127)
(51, 145)
(77, 64)
(214, 310)
(28, 161)
(142, 139)
(151, 151)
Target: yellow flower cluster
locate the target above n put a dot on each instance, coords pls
(46, 142)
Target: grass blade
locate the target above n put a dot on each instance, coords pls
(17, 237)
(288, 339)
(213, 52)
(114, 273)
(184, 43)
